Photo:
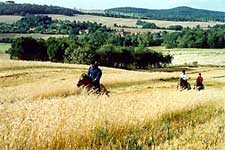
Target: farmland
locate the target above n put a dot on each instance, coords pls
(9, 19)
(42, 108)
(190, 56)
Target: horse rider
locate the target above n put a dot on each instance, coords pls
(199, 81)
(95, 73)
(184, 79)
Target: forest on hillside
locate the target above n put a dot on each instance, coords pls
(174, 14)
(28, 9)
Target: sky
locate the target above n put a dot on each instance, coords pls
(218, 5)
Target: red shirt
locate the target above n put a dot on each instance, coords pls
(199, 79)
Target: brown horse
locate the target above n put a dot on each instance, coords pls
(86, 82)
(183, 85)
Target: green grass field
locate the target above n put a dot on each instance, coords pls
(4, 47)
(194, 56)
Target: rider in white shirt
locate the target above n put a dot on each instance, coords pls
(184, 76)
(183, 79)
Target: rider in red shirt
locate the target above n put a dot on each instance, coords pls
(199, 82)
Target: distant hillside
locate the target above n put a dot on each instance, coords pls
(174, 14)
(24, 9)
(92, 11)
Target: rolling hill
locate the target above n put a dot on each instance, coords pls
(175, 14)
(24, 9)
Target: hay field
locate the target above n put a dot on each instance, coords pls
(40, 108)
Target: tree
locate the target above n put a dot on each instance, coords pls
(175, 27)
(56, 49)
(27, 48)
(147, 25)
(83, 55)
(106, 54)
(170, 40)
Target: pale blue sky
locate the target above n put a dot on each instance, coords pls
(218, 5)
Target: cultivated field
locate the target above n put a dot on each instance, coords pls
(9, 18)
(194, 56)
(40, 108)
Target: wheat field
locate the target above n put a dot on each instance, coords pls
(41, 108)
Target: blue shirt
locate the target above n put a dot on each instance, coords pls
(95, 73)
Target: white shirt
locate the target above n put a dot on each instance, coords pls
(184, 77)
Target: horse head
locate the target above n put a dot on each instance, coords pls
(84, 80)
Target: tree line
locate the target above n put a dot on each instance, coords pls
(149, 25)
(87, 49)
(196, 38)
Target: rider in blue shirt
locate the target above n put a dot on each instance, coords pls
(95, 73)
